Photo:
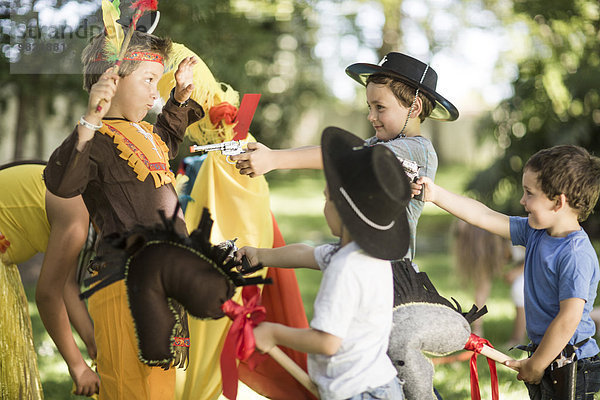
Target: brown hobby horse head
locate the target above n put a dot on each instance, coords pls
(165, 275)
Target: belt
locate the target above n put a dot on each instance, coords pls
(568, 351)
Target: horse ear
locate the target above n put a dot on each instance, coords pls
(134, 243)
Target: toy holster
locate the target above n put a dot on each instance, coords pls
(564, 380)
(562, 372)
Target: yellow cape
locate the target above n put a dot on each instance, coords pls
(240, 208)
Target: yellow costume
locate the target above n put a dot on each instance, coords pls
(240, 208)
(23, 222)
(117, 337)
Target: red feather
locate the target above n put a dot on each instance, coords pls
(145, 5)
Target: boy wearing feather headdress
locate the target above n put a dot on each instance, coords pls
(120, 165)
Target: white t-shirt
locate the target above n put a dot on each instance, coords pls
(354, 303)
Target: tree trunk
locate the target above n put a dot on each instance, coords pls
(391, 33)
(22, 123)
(40, 142)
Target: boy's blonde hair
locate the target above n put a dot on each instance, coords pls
(568, 170)
(95, 63)
(403, 92)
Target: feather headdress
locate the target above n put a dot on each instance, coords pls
(113, 30)
(115, 46)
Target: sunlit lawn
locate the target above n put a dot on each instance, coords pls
(297, 201)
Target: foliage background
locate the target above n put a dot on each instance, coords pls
(550, 57)
(556, 96)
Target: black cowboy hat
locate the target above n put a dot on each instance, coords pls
(147, 22)
(370, 191)
(410, 71)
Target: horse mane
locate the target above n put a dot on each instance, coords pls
(411, 286)
(111, 267)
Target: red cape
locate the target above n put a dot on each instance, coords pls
(284, 305)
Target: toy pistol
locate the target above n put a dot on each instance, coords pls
(229, 250)
(231, 148)
(563, 374)
(411, 169)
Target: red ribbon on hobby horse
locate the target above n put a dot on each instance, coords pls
(242, 117)
(240, 343)
(476, 345)
(245, 115)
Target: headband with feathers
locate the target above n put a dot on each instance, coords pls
(116, 44)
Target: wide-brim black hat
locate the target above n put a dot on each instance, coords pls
(146, 24)
(410, 71)
(370, 191)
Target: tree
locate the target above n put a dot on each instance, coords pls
(38, 61)
(556, 98)
(264, 48)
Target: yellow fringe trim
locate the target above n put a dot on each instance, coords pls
(161, 177)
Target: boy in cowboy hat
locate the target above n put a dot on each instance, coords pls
(348, 337)
(401, 93)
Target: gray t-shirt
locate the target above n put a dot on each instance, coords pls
(421, 151)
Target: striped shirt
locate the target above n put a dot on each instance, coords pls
(421, 151)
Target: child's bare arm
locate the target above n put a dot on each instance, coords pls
(308, 340)
(78, 313)
(290, 256)
(465, 208)
(259, 159)
(560, 330)
(69, 226)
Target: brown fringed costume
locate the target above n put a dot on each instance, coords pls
(112, 175)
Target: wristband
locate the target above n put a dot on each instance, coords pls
(178, 104)
(93, 127)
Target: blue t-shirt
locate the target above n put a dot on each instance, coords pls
(556, 269)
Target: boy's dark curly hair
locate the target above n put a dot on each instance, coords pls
(568, 170)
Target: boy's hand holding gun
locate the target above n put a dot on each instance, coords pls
(412, 169)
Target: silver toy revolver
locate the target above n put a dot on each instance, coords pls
(411, 169)
(229, 251)
(231, 148)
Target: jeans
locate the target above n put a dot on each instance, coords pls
(389, 391)
(588, 382)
